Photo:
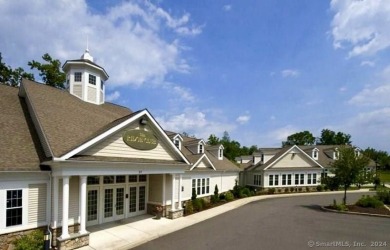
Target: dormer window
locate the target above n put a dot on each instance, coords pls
(315, 154)
(336, 154)
(177, 143)
(200, 149)
(357, 153)
(77, 77)
(92, 79)
(220, 153)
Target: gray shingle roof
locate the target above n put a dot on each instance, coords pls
(68, 121)
(19, 147)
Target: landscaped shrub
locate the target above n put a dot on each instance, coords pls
(229, 196)
(189, 208)
(369, 201)
(197, 204)
(286, 190)
(193, 196)
(339, 207)
(383, 195)
(245, 192)
(215, 197)
(279, 190)
(307, 189)
(292, 189)
(32, 241)
(222, 196)
(320, 188)
(271, 190)
(299, 189)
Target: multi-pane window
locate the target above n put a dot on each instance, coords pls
(284, 179)
(109, 179)
(314, 178)
(289, 179)
(101, 84)
(77, 77)
(302, 181)
(276, 180)
(257, 180)
(142, 178)
(271, 180)
(120, 179)
(14, 210)
(93, 180)
(132, 178)
(220, 153)
(92, 79)
(296, 179)
(201, 185)
(177, 143)
(308, 178)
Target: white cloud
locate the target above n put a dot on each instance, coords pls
(127, 39)
(227, 7)
(194, 122)
(281, 134)
(361, 26)
(242, 119)
(367, 63)
(377, 96)
(290, 73)
(343, 89)
(369, 129)
(113, 96)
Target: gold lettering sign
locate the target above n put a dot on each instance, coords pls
(140, 139)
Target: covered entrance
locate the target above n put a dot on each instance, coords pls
(111, 198)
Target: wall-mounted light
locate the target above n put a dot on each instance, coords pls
(143, 121)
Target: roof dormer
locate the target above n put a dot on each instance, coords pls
(336, 154)
(178, 141)
(201, 145)
(314, 153)
(357, 152)
(216, 151)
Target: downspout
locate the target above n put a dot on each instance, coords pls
(50, 212)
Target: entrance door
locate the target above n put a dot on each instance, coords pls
(113, 200)
(92, 206)
(137, 200)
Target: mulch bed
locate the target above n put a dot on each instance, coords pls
(366, 210)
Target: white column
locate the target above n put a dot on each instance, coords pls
(83, 204)
(55, 202)
(65, 207)
(163, 191)
(173, 194)
(179, 197)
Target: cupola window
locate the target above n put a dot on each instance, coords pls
(77, 77)
(92, 79)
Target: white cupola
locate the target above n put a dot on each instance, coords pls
(85, 79)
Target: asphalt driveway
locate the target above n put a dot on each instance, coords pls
(282, 223)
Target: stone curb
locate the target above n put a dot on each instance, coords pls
(355, 213)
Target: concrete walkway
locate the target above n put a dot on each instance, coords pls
(132, 232)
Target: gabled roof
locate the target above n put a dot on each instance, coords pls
(279, 155)
(66, 121)
(19, 145)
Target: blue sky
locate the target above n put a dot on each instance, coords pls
(261, 70)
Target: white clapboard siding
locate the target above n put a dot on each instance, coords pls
(37, 196)
(114, 146)
(91, 94)
(77, 90)
(294, 160)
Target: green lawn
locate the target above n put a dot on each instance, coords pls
(384, 176)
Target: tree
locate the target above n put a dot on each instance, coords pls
(50, 72)
(300, 138)
(381, 158)
(348, 167)
(213, 140)
(329, 137)
(12, 77)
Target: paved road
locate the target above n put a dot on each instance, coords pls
(281, 223)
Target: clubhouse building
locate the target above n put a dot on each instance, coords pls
(70, 160)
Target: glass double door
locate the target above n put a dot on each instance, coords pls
(110, 203)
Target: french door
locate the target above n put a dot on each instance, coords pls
(137, 200)
(113, 203)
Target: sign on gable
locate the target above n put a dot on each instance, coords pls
(140, 139)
